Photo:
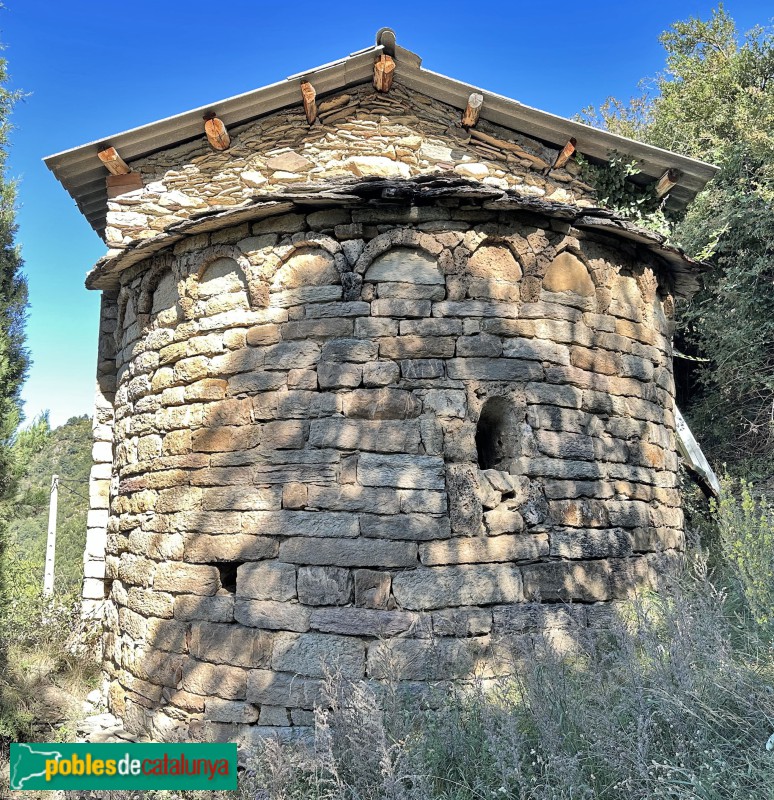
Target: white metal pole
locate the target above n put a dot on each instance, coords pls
(48, 577)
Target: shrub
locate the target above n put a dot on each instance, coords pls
(746, 524)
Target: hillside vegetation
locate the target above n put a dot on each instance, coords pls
(43, 676)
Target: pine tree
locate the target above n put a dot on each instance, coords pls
(14, 358)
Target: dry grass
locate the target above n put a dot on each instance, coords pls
(675, 701)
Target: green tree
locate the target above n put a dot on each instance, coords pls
(14, 359)
(715, 102)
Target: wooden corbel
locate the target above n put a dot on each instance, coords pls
(217, 135)
(667, 182)
(384, 72)
(308, 95)
(113, 162)
(565, 154)
(473, 110)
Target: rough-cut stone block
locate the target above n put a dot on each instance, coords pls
(204, 548)
(476, 308)
(304, 404)
(256, 382)
(283, 689)
(269, 580)
(567, 581)
(317, 329)
(275, 716)
(291, 355)
(349, 552)
(362, 621)
(166, 634)
(431, 327)
(339, 376)
(385, 436)
(536, 350)
(413, 527)
(407, 472)
(230, 711)
(372, 327)
(416, 347)
(354, 350)
(311, 654)
(467, 585)
(422, 369)
(353, 309)
(577, 544)
(580, 513)
(445, 402)
(150, 603)
(544, 467)
(262, 335)
(404, 265)
(465, 510)
(372, 588)
(419, 501)
(216, 680)
(295, 495)
(302, 379)
(304, 294)
(493, 369)
(421, 660)
(380, 373)
(537, 617)
(630, 576)
(301, 523)
(482, 344)
(503, 520)
(187, 578)
(354, 498)
(480, 550)
(567, 273)
(542, 393)
(272, 615)
(381, 404)
(240, 498)
(566, 445)
(324, 586)
(212, 609)
(395, 308)
(461, 622)
(230, 644)
(155, 666)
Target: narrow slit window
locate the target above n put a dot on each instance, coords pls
(497, 435)
(228, 574)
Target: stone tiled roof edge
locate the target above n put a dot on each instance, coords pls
(385, 192)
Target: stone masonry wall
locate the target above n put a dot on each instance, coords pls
(361, 133)
(389, 440)
(102, 457)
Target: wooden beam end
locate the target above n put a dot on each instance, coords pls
(216, 132)
(384, 72)
(308, 96)
(113, 162)
(473, 110)
(667, 182)
(565, 154)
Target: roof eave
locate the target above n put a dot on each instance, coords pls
(83, 175)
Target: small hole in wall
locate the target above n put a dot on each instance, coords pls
(107, 586)
(497, 440)
(228, 574)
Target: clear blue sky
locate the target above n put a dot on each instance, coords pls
(92, 69)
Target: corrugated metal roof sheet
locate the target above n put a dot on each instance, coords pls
(83, 175)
